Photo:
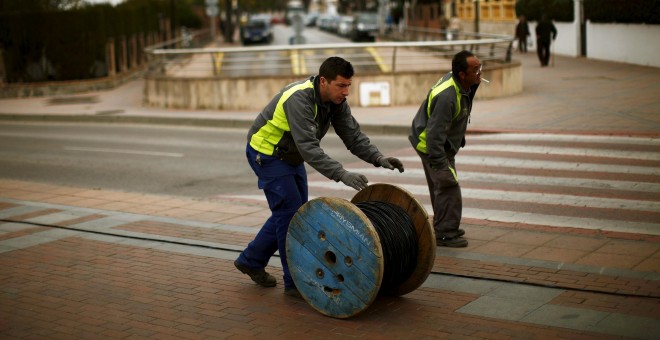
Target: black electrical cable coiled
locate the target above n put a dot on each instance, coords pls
(398, 240)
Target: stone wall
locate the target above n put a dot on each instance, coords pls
(405, 88)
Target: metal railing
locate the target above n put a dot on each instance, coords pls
(286, 60)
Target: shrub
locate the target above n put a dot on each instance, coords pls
(43, 43)
(619, 11)
(557, 10)
(603, 11)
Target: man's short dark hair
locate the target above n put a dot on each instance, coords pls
(336, 66)
(459, 63)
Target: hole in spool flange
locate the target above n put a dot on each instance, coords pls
(348, 261)
(322, 235)
(319, 273)
(333, 291)
(340, 278)
(330, 257)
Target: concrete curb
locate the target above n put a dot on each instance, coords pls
(201, 122)
(221, 122)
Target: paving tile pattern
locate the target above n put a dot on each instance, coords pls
(89, 283)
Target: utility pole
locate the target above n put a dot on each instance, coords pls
(476, 16)
(212, 12)
(581, 29)
(228, 24)
(382, 14)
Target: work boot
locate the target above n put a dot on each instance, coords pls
(257, 275)
(454, 242)
(450, 234)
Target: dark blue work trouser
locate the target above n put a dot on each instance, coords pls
(285, 187)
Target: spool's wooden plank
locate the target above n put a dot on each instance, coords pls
(335, 257)
(425, 233)
(334, 253)
(318, 292)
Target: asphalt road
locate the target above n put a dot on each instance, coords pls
(180, 161)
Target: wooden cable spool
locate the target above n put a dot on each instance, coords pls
(335, 255)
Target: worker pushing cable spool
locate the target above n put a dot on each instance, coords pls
(343, 254)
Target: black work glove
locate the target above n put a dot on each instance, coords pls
(354, 180)
(390, 163)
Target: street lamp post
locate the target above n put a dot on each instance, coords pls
(212, 12)
(476, 16)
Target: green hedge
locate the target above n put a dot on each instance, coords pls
(599, 11)
(42, 45)
(557, 10)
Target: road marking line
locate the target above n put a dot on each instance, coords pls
(303, 63)
(217, 63)
(295, 62)
(123, 151)
(377, 58)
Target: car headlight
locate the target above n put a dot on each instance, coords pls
(360, 27)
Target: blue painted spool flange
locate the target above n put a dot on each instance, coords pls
(335, 257)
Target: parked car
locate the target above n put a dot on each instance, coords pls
(334, 23)
(345, 26)
(276, 20)
(327, 22)
(365, 26)
(310, 19)
(257, 29)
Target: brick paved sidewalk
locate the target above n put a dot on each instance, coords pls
(144, 266)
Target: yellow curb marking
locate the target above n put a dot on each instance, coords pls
(295, 67)
(377, 58)
(298, 64)
(217, 62)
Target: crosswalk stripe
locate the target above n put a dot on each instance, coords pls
(518, 196)
(558, 221)
(534, 219)
(547, 137)
(471, 176)
(548, 192)
(547, 165)
(378, 59)
(567, 151)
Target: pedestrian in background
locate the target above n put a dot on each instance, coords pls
(522, 33)
(545, 33)
(285, 135)
(454, 28)
(438, 132)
